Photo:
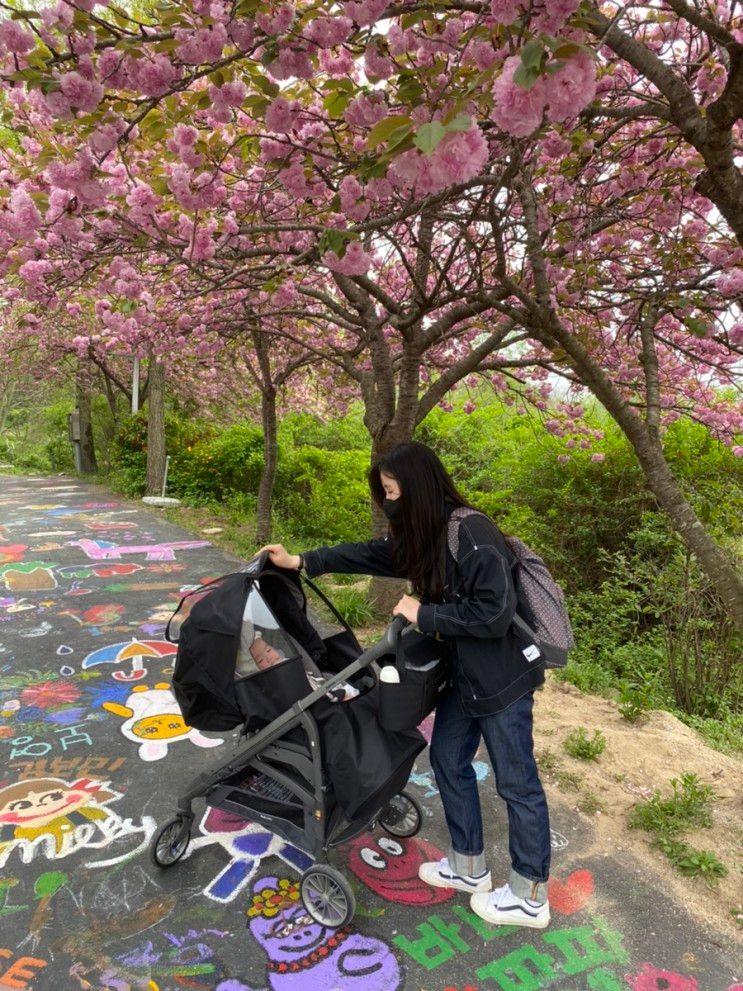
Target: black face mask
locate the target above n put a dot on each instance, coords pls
(392, 509)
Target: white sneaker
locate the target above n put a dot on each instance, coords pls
(440, 875)
(503, 908)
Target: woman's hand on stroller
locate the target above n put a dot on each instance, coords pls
(280, 556)
(408, 607)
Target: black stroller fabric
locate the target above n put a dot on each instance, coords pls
(364, 763)
(204, 676)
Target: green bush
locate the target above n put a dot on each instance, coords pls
(346, 433)
(325, 494)
(217, 466)
(129, 452)
(58, 448)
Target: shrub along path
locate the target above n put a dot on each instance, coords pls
(87, 584)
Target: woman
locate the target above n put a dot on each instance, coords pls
(471, 603)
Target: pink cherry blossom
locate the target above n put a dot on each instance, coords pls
(355, 261)
(81, 94)
(351, 194)
(459, 156)
(282, 116)
(203, 45)
(730, 284)
(516, 110)
(572, 88)
(377, 66)
(151, 76)
(365, 110)
(14, 38)
(327, 32)
(505, 11)
(550, 15)
(366, 11)
(277, 21)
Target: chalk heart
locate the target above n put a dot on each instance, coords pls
(571, 895)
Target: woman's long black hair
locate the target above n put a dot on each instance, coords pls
(419, 538)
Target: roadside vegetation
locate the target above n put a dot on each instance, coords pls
(650, 633)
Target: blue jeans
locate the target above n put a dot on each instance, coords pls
(510, 744)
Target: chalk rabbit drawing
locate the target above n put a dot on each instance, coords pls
(152, 719)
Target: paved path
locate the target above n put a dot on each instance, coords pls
(82, 906)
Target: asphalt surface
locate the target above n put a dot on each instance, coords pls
(86, 585)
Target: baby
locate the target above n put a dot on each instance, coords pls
(266, 656)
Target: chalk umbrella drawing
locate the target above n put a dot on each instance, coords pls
(131, 652)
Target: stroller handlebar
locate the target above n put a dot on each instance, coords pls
(395, 628)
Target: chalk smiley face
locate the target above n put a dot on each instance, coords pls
(389, 866)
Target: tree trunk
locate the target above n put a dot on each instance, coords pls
(155, 428)
(643, 436)
(668, 492)
(270, 461)
(88, 463)
(661, 480)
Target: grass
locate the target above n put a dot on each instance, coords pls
(578, 744)
(548, 760)
(686, 808)
(590, 805)
(690, 862)
(353, 604)
(568, 780)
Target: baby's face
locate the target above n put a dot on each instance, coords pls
(264, 655)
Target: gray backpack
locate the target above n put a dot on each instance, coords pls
(537, 590)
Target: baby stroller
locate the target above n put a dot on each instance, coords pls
(315, 769)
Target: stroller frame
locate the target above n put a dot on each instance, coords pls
(280, 783)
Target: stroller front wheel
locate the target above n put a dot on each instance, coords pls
(327, 896)
(402, 816)
(171, 842)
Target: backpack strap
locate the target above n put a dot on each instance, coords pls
(452, 530)
(452, 536)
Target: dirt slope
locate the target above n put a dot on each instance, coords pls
(639, 758)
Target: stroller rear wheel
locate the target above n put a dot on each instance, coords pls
(402, 816)
(327, 896)
(171, 842)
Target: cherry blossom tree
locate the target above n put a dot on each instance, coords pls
(429, 159)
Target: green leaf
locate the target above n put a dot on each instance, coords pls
(160, 186)
(268, 87)
(168, 45)
(554, 66)
(462, 122)
(525, 78)
(409, 90)
(384, 128)
(428, 136)
(334, 240)
(336, 103)
(257, 105)
(532, 54)
(696, 326)
(567, 49)
(409, 20)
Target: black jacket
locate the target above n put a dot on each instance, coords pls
(490, 670)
